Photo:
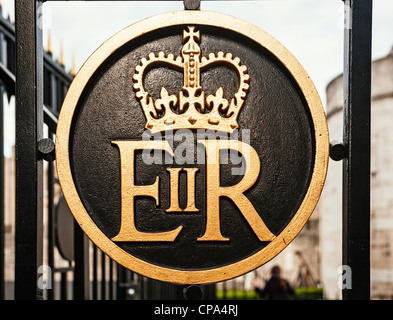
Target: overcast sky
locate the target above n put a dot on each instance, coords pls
(311, 29)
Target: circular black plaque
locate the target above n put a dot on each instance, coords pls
(279, 115)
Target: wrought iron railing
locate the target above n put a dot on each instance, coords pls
(89, 273)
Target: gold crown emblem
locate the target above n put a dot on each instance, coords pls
(191, 110)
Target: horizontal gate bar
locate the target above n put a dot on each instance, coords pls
(50, 119)
(8, 79)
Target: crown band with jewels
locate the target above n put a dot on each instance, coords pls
(194, 111)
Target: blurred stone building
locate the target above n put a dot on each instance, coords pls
(329, 208)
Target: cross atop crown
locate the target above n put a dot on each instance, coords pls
(191, 59)
(191, 34)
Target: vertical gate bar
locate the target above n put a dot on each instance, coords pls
(95, 289)
(63, 285)
(148, 288)
(2, 195)
(142, 287)
(81, 269)
(357, 128)
(110, 279)
(103, 278)
(29, 128)
(2, 177)
(118, 281)
(121, 282)
(51, 221)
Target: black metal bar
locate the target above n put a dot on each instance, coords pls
(142, 291)
(8, 28)
(192, 4)
(56, 69)
(356, 166)
(111, 279)
(51, 220)
(50, 118)
(95, 286)
(81, 271)
(52, 90)
(63, 285)
(7, 78)
(123, 279)
(29, 127)
(118, 282)
(2, 199)
(2, 194)
(103, 276)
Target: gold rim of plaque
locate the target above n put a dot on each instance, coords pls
(206, 275)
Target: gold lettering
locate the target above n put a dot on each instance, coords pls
(236, 193)
(129, 191)
(174, 190)
(191, 190)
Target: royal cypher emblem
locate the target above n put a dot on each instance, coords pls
(192, 110)
(192, 147)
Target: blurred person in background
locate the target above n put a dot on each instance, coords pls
(276, 288)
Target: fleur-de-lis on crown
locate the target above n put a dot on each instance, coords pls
(194, 111)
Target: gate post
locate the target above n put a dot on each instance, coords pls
(356, 166)
(29, 128)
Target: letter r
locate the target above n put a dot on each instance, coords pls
(235, 193)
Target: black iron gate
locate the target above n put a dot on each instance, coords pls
(40, 84)
(89, 274)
